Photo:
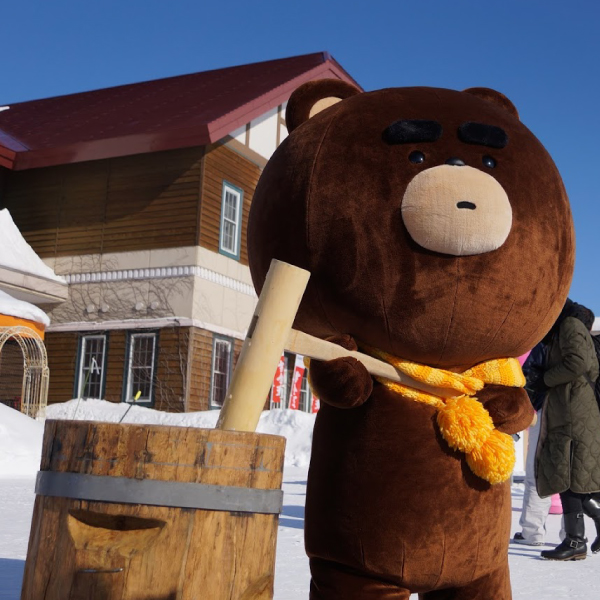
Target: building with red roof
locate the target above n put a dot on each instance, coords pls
(138, 195)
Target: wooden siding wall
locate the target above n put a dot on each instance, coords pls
(122, 204)
(200, 357)
(183, 352)
(62, 362)
(222, 164)
(170, 367)
(200, 369)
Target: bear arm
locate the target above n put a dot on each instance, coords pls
(341, 382)
(510, 408)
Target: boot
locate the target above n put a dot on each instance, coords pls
(573, 547)
(591, 507)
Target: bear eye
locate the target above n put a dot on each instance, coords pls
(488, 161)
(416, 157)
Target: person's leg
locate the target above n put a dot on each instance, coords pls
(494, 586)
(332, 581)
(573, 547)
(535, 509)
(572, 502)
(591, 507)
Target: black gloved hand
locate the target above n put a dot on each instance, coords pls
(535, 381)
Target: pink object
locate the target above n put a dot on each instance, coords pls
(523, 357)
(556, 506)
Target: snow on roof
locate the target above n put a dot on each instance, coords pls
(22, 310)
(17, 254)
(596, 326)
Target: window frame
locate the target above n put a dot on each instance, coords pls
(79, 380)
(235, 253)
(216, 339)
(305, 399)
(131, 336)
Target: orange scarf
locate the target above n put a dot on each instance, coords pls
(463, 421)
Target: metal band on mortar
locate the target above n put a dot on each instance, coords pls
(122, 490)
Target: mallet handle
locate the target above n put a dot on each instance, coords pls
(302, 343)
(271, 332)
(270, 326)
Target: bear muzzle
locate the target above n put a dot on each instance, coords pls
(457, 211)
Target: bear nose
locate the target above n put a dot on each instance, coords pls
(457, 162)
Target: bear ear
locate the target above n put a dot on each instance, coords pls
(313, 97)
(495, 97)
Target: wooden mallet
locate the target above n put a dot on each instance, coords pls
(269, 334)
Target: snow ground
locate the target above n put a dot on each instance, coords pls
(532, 577)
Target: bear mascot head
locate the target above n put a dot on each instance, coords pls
(439, 237)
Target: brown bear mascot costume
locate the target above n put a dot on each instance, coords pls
(439, 238)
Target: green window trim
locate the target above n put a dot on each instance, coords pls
(230, 233)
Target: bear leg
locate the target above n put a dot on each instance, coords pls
(332, 581)
(495, 585)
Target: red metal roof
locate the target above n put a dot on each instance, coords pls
(163, 114)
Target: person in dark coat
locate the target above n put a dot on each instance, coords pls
(568, 452)
(535, 509)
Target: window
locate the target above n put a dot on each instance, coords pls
(221, 370)
(92, 363)
(305, 394)
(231, 211)
(140, 368)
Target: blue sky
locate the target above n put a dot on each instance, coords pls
(542, 54)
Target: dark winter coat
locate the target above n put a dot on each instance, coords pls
(533, 369)
(568, 452)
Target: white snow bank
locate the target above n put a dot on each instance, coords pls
(20, 443)
(21, 436)
(21, 309)
(294, 425)
(17, 254)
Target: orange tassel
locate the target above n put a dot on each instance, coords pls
(495, 459)
(464, 423)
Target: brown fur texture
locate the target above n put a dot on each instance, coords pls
(390, 508)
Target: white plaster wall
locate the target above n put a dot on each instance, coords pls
(144, 259)
(218, 304)
(263, 133)
(173, 298)
(223, 296)
(283, 132)
(222, 264)
(239, 134)
(221, 306)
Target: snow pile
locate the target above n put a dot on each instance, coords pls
(20, 443)
(22, 310)
(17, 254)
(294, 425)
(21, 436)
